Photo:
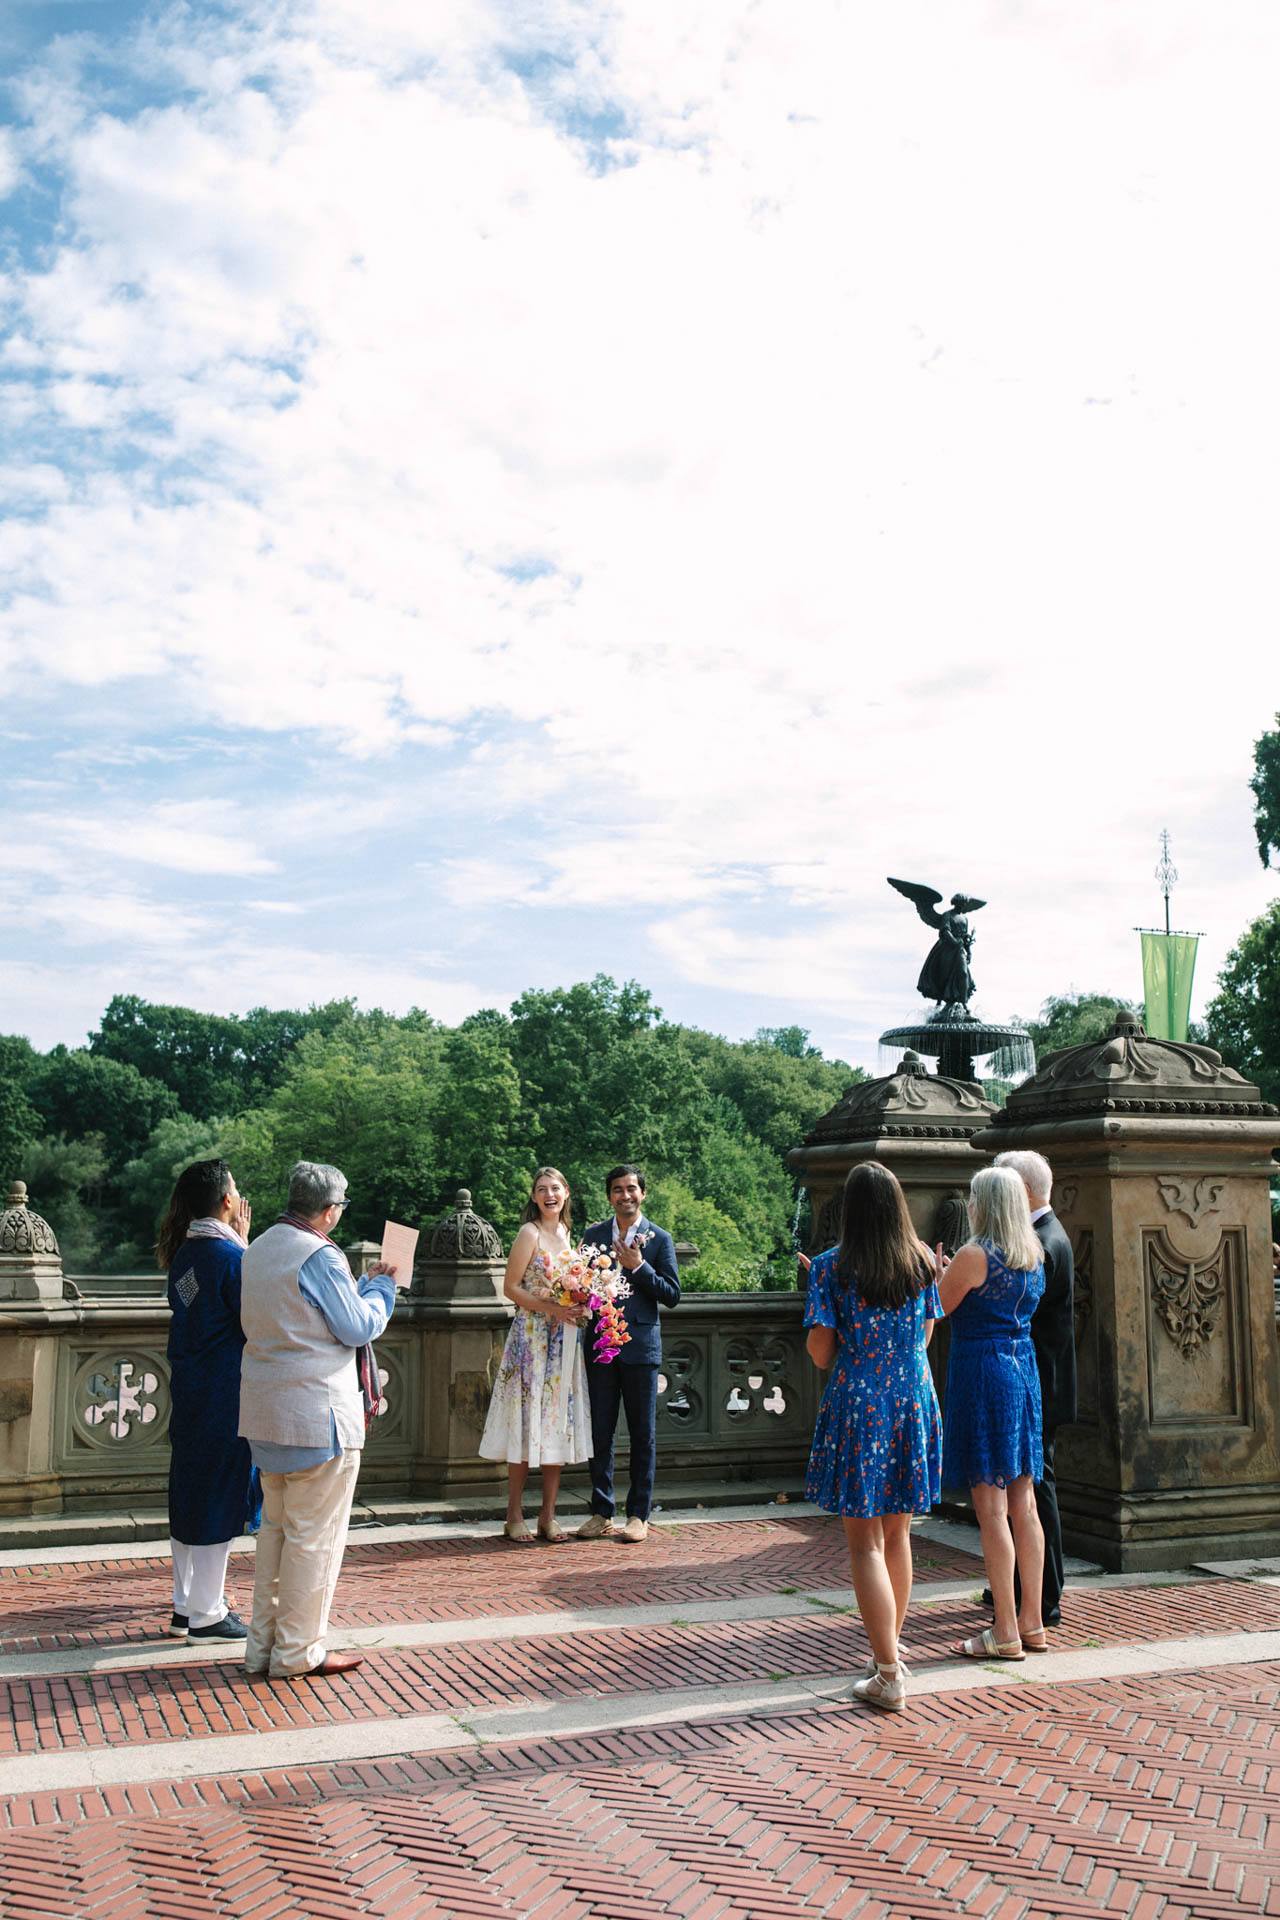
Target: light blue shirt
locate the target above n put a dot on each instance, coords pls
(324, 1281)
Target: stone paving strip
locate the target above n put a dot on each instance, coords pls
(182, 1757)
(184, 1718)
(1144, 1799)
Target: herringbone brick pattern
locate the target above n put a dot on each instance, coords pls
(95, 1603)
(1146, 1799)
(195, 1701)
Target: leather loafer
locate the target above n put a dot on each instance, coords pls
(333, 1663)
(635, 1531)
(598, 1527)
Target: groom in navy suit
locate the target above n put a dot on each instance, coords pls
(647, 1256)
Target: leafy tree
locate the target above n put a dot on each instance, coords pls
(1265, 785)
(1243, 1019)
(64, 1184)
(148, 1179)
(1075, 1019)
(793, 1041)
(76, 1094)
(479, 1140)
(363, 1099)
(214, 1063)
(19, 1124)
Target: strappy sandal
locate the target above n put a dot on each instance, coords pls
(520, 1531)
(987, 1647)
(871, 1668)
(885, 1688)
(1037, 1642)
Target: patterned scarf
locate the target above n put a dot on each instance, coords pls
(211, 1229)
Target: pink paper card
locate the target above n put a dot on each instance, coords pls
(399, 1244)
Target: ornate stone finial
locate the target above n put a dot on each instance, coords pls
(1129, 1072)
(462, 1234)
(23, 1232)
(912, 1063)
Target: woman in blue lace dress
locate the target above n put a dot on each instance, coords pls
(992, 1436)
(871, 1308)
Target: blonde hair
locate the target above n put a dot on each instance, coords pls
(1002, 1218)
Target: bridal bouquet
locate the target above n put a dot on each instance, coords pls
(588, 1277)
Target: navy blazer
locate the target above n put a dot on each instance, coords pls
(1053, 1333)
(655, 1282)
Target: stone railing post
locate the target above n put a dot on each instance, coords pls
(1162, 1160)
(30, 1311)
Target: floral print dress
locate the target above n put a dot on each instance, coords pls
(878, 1440)
(539, 1411)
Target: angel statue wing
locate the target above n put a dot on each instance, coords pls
(924, 899)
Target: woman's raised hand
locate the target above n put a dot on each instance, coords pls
(803, 1262)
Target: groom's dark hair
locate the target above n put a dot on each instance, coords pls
(620, 1173)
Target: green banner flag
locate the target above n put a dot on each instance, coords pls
(1168, 965)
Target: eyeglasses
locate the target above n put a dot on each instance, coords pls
(344, 1204)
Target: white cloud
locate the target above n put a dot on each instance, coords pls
(862, 476)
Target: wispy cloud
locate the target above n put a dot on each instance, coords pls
(648, 455)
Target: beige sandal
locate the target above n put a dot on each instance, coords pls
(520, 1531)
(885, 1688)
(987, 1647)
(551, 1530)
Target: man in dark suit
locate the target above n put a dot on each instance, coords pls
(1053, 1337)
(647, 1256)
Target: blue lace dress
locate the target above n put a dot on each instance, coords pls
(993, 1427)
(877, 1441)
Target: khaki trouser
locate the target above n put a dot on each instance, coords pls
(300, 1547)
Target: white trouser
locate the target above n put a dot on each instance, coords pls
(300, 1546)
(199, 1576)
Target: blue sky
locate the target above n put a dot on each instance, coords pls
(493, 494)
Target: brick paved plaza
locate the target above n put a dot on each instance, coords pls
(595, 1730)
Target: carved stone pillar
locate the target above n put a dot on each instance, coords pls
(1162, 1160)
(30, 1309)
(917, 1124)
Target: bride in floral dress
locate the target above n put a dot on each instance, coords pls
(539, 1415)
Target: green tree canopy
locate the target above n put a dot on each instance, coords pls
(1243, 1019)
(1074, 1019)
(1265, 786)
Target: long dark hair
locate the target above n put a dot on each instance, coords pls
(879, 1246)
(200, 1188)
(534, 1212)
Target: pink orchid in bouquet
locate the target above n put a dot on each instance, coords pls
(588, 1278)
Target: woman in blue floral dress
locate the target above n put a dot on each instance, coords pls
(992, 1443)
(871, 1308)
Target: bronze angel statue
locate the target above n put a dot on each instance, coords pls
(945, 975)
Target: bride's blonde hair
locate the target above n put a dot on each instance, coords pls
(1002, 1218)
(534, 1212)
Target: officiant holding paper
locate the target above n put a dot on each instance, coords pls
(301, 1410)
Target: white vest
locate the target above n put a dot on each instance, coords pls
(293, 1373)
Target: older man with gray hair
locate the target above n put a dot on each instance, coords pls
(301, 1410)
(1053, 1337)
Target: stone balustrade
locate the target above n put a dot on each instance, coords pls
(84, 1395)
